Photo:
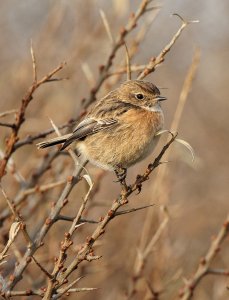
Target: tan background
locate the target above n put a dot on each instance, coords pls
(197, 193)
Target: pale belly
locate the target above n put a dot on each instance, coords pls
(125, 154)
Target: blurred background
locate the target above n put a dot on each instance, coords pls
(195, 194)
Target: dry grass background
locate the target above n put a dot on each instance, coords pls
(195, 194)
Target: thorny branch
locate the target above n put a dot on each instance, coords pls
(20, 116)
(38, 242)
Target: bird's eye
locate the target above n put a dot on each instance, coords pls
(139, 96)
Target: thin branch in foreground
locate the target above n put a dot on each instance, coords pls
(70, 219)
(127, 211)
(61, 292)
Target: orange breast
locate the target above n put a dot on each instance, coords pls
(144, 121)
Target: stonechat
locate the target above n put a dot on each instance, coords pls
(120, 129)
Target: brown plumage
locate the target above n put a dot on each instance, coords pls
(120, 128)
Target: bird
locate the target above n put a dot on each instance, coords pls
(120, 129)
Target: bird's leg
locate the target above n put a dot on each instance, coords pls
(120, 173)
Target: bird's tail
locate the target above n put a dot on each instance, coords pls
(54, 141)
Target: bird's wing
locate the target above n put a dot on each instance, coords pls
(87, 127)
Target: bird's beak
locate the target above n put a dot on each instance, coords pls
(160, 98)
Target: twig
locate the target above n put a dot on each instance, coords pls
(218, 272)
(42, 268)
(30, 139)
(17, 217)
(204, 269)
(10, 125)
(70, 219)
(34, 63)
(14, 229)
(64, 290)
(128, 65)
(155, 62)
(88, 74)
(157, 234)
(24, 293)
(122, 70)
(8, 112)
(127, 211)
(43, 188)
(107, 26)
(10, 205)
(85, 289)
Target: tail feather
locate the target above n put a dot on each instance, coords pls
(54, 141)
(67, 142)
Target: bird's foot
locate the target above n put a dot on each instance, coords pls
(121, 174)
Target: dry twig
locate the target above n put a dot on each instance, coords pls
(156, 61)
(204, 266)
